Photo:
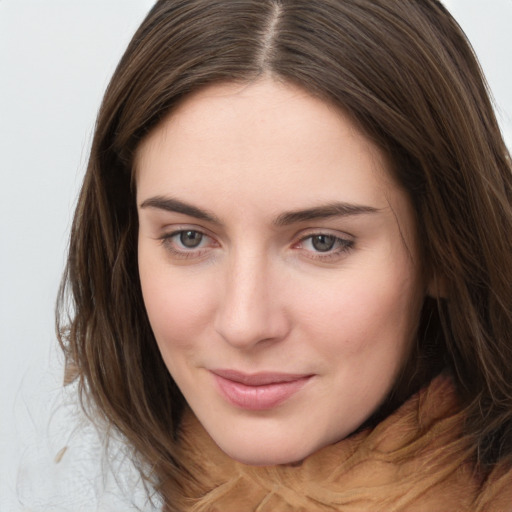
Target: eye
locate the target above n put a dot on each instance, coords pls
(190, 239)
(187, 243)
(322, 243)
(324, 246)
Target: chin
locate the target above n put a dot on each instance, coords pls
(259, 454)
(258, 459)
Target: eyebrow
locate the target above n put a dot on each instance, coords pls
(334, 209)
(174, 205)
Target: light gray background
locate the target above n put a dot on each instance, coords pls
(56, 57)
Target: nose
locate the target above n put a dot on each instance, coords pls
(251, 310)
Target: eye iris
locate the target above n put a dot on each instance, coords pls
(323, 243)
(191, 239)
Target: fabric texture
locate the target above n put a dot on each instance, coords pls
(415, 460)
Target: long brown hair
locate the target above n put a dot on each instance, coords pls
(405, 73)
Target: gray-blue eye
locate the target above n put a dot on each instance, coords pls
(323, 243)
(191, 239)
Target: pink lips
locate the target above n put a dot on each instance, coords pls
(260, 391)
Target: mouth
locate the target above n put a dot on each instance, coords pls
(259, 391)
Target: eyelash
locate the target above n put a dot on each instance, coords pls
(341, 245)
(170, 245)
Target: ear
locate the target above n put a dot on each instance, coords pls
(437, 287)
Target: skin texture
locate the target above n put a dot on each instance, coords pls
(256, 294)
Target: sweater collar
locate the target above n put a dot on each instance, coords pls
(412, 457)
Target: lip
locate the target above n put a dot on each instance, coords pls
(258, 391)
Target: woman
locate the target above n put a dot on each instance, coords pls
(290, 265)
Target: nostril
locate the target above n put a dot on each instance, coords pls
(250, 311)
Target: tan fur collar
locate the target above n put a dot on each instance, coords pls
(415, 460)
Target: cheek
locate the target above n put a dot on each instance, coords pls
(178, 306)
(377, 312)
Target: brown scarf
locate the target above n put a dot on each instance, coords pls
(415, 460)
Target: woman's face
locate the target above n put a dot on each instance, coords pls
(279, 267)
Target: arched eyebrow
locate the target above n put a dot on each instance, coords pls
(170, 204)
(334, 209)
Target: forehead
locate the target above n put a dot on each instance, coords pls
(268, 136)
